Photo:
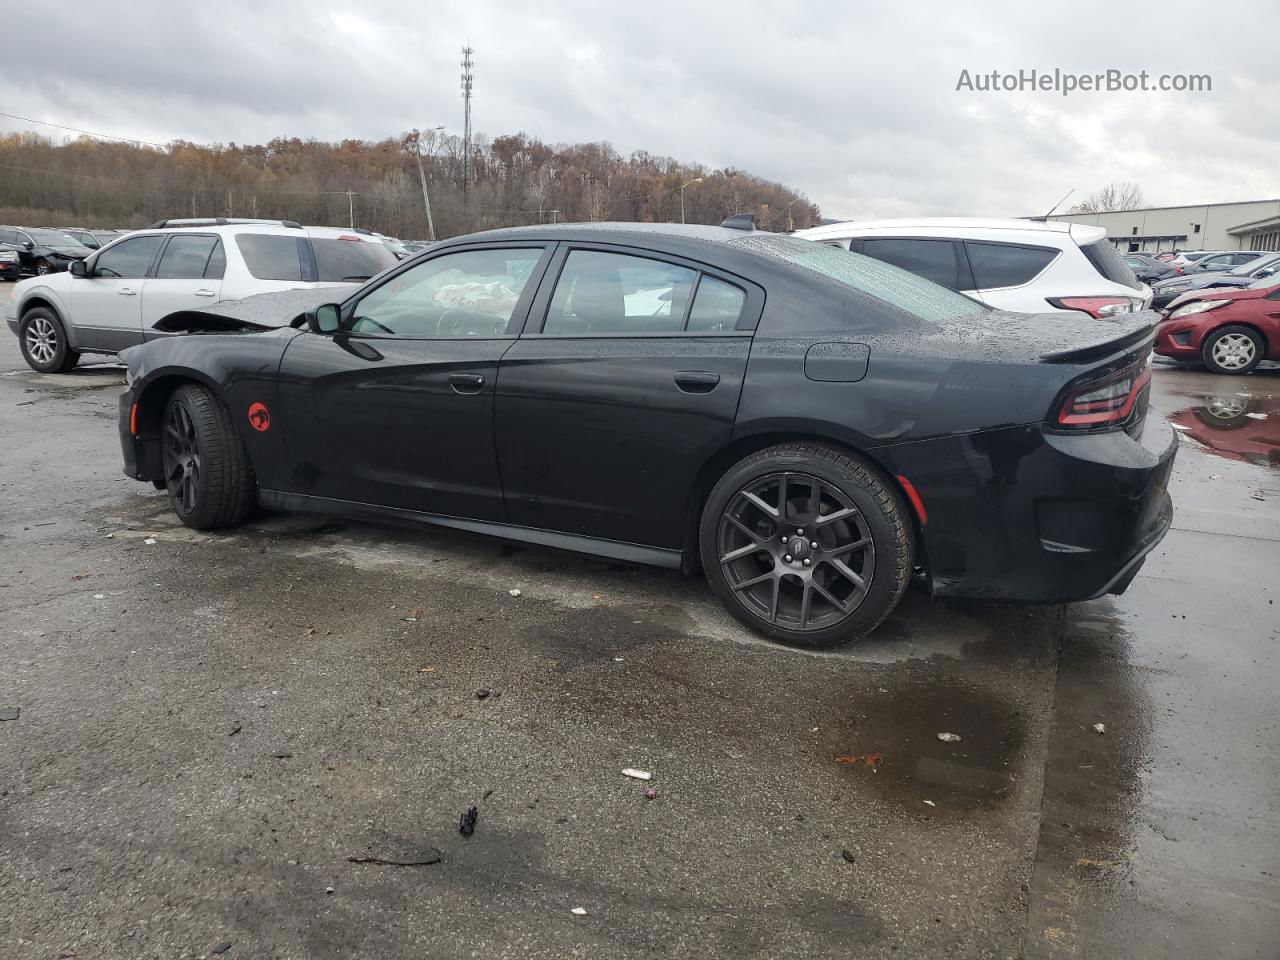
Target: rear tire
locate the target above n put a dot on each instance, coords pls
(43, 341)
(759, 527)
(1232, 349)
(43, 268)
(207, 472)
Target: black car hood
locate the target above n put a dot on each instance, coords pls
(262, 311)
(67, 251)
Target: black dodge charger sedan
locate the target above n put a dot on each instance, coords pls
(808, 426)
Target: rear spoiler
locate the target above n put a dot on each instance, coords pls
(1135, 330)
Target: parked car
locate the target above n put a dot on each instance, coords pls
(1147, 268)
(1165, 292)
(1019, 265)
(808, 425)
(1191, 256)
(113, 299)
(10, 261)
(1218, 262)
(1164, 256)
(42, 251)
(93, 239)
(1229, 331)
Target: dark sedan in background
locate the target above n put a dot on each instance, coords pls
(10, 262)
(1147, 268)
(1258, 268)
(41, 250)
(807, 425)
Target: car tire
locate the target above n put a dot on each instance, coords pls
(207, 472)
(756, 534)
(1233, 349)
(43, 341)
(43, 267)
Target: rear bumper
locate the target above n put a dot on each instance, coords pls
(1055, 517)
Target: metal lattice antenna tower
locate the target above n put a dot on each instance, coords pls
(466, 122)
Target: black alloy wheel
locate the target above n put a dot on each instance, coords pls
(206, 469)
(181, 446)
(806, 544)
(43, 267)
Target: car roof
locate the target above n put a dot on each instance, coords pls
(606, 230)
(975, 228)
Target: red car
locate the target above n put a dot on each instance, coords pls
(1229, 331)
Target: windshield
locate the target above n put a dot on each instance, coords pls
(54, 237)
(906, 291)
(1263, 283)
(350, 261)
(1247, 268)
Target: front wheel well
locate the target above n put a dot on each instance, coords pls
(148, 420)
(731, 453)
(36, 303)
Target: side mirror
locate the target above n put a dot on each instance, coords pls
(78, 268)
(325, 319)
(28, 245)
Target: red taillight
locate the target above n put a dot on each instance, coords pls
(1105, 402)
(133, 419)
(1096, 307)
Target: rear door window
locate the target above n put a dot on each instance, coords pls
(1109, 264)
(350, 261)
(186, 257)
(272, 257)
(129, 259)
(997, 265)
(934, 260)
(612, 293)
(716, 306)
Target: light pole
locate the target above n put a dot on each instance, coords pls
(682, 186)
(784, 212)
(426, 200)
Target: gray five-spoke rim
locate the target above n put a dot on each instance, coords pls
(1233, 351)
(796, 551)
(181, 458)
(42, 340)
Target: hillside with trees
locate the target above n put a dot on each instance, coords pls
(514, 179)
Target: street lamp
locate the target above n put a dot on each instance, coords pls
(788, 207)
(426, 201)
(682, 186)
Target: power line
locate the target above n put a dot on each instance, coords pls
(87, 133)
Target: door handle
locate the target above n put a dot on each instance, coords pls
(466, 382)
(127, 292)
(697, 381)
(205, 293)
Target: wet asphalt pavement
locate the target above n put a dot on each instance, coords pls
(211, 726)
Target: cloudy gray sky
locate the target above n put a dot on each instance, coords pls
(852, 102)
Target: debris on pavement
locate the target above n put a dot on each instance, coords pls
(426, 669)
(150, 541)
(930, 803)
(390, 852)
(1256, 416)
(487, 794)
(413, 616)
(235, 728)
(871, 760)
(579, 911)
(99, 596)
(849, 856)
(467, 822)
(221, 948)
(328, 889)
(282, 755)
(482, 694)
(9, 713)
(637, 774)
(514, 591)
(1099, 728)
(1258, 495)
(650, 793)
(949, 737)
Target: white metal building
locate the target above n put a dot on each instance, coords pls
(1252, 225)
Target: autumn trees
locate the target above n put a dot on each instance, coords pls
(518, 179)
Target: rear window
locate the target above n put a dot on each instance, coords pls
(998, 265)
(904, 290)
(350, 260)
(271, 257)
(1108, 262)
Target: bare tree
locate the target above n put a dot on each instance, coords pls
(1114, 196)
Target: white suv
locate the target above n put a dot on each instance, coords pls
(1022, 265)
(112, 299)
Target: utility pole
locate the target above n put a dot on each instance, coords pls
(466, 124)
(682, 186)
(351, 208)
(426, 200)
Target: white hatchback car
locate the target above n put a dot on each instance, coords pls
(1022, 265)
(112, 299)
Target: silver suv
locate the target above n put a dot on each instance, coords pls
(112, 299)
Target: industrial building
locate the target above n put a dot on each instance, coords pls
(1252, 225)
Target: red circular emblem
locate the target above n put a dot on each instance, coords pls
(259, 417)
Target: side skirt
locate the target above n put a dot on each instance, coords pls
(613, 549)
